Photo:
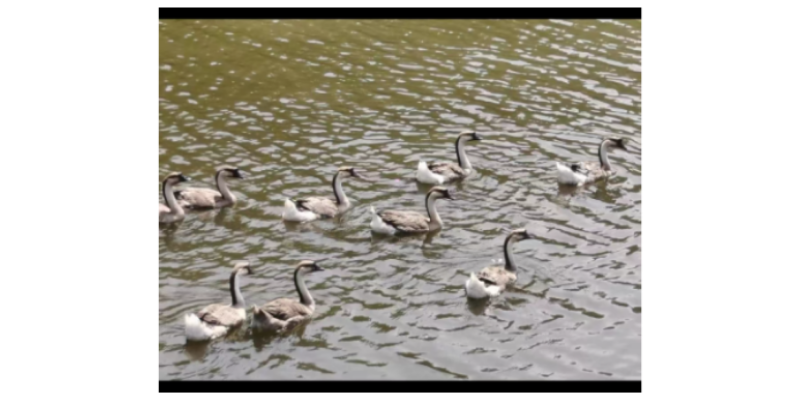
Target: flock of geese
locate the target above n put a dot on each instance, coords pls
(284, 314)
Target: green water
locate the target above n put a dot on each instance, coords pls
(291, 101)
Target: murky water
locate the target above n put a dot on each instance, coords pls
(290, 101)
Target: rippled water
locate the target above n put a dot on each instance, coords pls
(290, 101)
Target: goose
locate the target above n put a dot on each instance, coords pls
(215, 320)
(311, 208)
(284, 314)
(199, 198)
(492, 281)
(581, 173)
(172, 211)
(437, 173)
(392, 222)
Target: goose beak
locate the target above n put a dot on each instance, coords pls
(526, 235)
(184, 178)
(367, 178)
(356, 175)
(238, 174)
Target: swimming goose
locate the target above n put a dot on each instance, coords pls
(437, 173)
(284, 314)
(587, 172)
(391, 222)
(172, 211)
(492, 281)
(311, 208)
(215, 320)
(198, 198)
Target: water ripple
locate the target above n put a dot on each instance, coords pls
(290, 101)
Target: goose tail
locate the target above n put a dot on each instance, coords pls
(422, 166)
(289, 209)
(475, 288)
(565, 175)
(195, 329)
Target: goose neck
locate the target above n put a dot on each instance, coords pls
(602, 153)
(302, 290)
(511, 265)
(169, 198)
(338, 192)
(237, 300)
(463, 161)
(433, 213)
(222, 187)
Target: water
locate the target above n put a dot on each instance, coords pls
(290, 101)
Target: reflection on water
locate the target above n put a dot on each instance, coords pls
(290, 101)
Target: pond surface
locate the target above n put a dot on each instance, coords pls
(290, 101)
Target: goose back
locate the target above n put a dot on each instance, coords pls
(200, 198)
(321, 206)
(405, 221)
(221, 314)
(285, 308)
(497, 276)
(448, 170)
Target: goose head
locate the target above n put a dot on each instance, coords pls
(618, 143)
(519, 234)
(441, 192)
(350, 171)
(307, 266)
(243, 267)
(470, 135)
(176, 178)
(230, 172)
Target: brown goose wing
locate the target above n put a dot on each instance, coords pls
(220, 314)
(595, 171)
(590, 166)
(319, 205)
(405, 221)
(447, 169)
(497, 276)
(283, 309)
(198, 197)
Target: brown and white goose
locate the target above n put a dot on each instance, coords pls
(492, 281)
(215, 320)
(437, 173)
(577, 174)
(201, 198)
(311, 208)
(284, 314)
(392, 222)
